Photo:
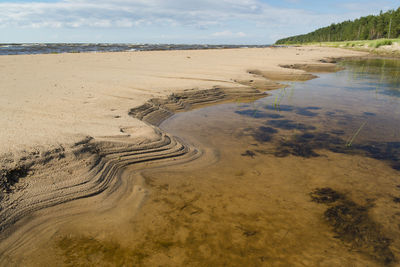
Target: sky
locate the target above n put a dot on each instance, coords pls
(174, 21)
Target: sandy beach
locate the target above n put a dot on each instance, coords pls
(62, 98)
(80, 126)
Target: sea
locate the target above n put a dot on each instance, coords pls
(56, 48)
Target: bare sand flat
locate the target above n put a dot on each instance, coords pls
(61, 98)
(83, 126)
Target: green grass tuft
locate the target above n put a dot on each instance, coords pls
(382, 42)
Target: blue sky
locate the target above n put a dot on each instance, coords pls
(174, 21)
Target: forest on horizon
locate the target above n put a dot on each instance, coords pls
(384, 25)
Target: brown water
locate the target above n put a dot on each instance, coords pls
(340, 131)
(308, 176)
(253, 207)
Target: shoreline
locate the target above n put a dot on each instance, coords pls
(377, 48)
(42, 179)
(68, 48)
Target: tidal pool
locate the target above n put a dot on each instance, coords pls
(307, 176)
(256, 205)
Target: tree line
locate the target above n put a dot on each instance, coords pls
(384, 25)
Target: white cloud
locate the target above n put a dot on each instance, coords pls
(229, 34)
(129, 13)
(123, 13)
(251, 18)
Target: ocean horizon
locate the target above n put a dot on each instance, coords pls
(58, 48)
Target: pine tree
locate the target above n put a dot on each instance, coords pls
(384, 25)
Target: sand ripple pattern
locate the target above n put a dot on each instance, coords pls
(156, 110)
(93, 165)
(105, 159)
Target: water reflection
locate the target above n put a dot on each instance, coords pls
(381, 75)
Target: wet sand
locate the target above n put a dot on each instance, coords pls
(93, 139)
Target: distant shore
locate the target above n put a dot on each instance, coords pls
(380, 47)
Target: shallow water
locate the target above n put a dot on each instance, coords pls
(308, 176)
(340, 131)
(354, 111)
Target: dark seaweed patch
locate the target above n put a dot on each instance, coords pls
(289, 125)
(325, 140)
(282, 153)
(305, 112)
(280, 108)
(388, 151)
(263, 151)
(257, 114)
(303, 145)
(263, 134)
(325, 195)
(396, 166)
(339, 110)
(275, 116)
(267, 130)
(254, 113)
(248, 153)
(352, 224)
(341, 119)
(296, 149)
(337, 132)
(307, 135)
(372, 150)
(9, 177)
(396, 199)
